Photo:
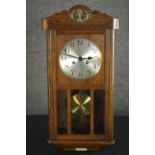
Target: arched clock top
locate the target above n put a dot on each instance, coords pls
(78, 17)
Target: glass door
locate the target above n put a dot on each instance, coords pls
(81, 112)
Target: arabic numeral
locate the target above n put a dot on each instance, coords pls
(71, 44)
(72, 72)
(88, 72)
(80, 75)
(79, 42)
(66, 50)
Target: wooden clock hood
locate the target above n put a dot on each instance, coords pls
(79, 17)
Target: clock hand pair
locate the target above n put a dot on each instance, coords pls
(79, 58)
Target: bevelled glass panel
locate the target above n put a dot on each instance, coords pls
(80, 111)
(62, 111)
(99, 111)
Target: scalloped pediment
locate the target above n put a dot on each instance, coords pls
(77, 17)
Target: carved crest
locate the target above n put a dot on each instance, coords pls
(79, 17)
(80, 14)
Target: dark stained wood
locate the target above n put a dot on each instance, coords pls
(106, 80)
(80, 137)
(80, 143)
(109, 86)
(62, 27)
(71, 145)
(50, 90)
(83, 86)
(53, 42)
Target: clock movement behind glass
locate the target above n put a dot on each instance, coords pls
(80, 78)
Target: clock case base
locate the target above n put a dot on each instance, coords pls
(78, 145)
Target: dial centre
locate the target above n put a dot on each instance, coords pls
(80, 58)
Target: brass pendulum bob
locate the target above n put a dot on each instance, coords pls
(80, 105)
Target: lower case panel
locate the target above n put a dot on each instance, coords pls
(80, 145)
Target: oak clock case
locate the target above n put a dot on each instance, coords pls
(80, 78)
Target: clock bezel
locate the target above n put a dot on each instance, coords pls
(100, 56)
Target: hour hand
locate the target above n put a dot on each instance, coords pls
(89, 58)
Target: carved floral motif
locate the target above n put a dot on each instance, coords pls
(80, 15)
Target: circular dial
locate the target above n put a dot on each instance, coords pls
(80, 59)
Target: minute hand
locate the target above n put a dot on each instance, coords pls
(70, 56)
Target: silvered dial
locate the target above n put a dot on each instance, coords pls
(80, 59)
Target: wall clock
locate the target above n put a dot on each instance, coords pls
(80, 78)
